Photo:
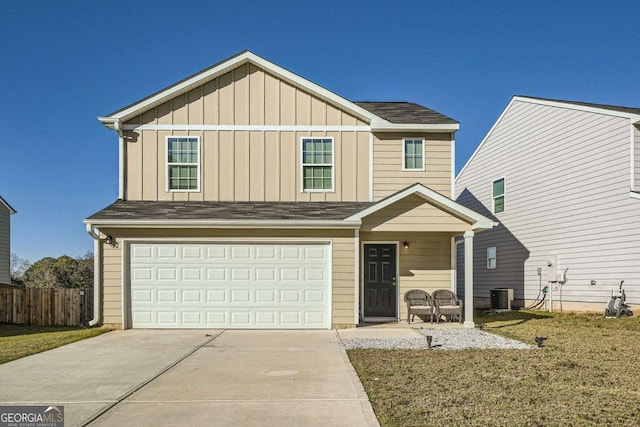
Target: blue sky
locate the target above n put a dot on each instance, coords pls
(62, 63)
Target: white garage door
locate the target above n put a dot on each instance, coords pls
(230, 285)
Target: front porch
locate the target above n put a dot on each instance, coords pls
(407, 241)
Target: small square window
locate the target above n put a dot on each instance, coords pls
(498, 195)
(491, 258)
(413, 154)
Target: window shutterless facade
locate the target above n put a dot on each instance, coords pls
(317, 164)
(413, 154)
(492, 257)
(183, 163)
(497, 189)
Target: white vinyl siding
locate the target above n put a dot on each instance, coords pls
(183, 163)
(568, 173)
(413, 154)
(317, 164)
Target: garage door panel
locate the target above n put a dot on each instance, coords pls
(268, 253)
(140, 274)
(216, 274)
(230, 285)
(167, 295)
(240, 274)
(265, 296)
(192, 252)
(219, 296)
(166, 252)
(193, 296)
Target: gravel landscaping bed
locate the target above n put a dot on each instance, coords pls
(443, 339)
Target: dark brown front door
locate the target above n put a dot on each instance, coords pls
(380, 282)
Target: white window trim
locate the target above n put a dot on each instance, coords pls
(333, 167)
(504, 196)
(404, 153)
(167, 164)
(495, 258)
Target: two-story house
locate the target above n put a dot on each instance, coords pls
(562, 178)
(251, 197)
(5, 242)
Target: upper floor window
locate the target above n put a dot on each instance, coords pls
(491, 257)
(413, 154)
(498, 195)
(317, 164)
(183, 163)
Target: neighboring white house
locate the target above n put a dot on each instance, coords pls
(563, 180)
(5, 236)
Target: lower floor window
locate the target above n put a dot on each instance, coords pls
(491, 257)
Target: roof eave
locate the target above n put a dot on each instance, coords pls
(8, 206)
(414, 127)
(224, 223)
(635, 118)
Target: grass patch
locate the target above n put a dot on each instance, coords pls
(17, 341)
(586, 374)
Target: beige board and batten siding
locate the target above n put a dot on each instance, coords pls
(566, 193)
(388, 176)
(425, 265)
(247, 165)
(415, 214)
(342, 263)
(5, 239)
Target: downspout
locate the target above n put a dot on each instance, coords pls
(95, 234)
(118, 129)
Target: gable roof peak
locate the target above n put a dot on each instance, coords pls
(608, 107)
(222, 67)
(8, 206)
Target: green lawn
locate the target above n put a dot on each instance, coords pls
(18, 341)
(588, 373)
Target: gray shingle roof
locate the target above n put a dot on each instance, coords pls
(631, 110)
(405, 113)
(152, 210)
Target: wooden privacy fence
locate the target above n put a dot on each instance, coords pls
(46, 306)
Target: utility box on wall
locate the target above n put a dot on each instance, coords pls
(501, 298)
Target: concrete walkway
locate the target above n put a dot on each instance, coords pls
(244, 378)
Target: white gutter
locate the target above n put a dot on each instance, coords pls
(213, 223)
(401, 127)
(95, 234)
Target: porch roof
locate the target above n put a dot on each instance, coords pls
(476, 221)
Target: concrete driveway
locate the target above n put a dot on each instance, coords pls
(194, 377)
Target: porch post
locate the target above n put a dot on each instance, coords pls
(468, 280)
